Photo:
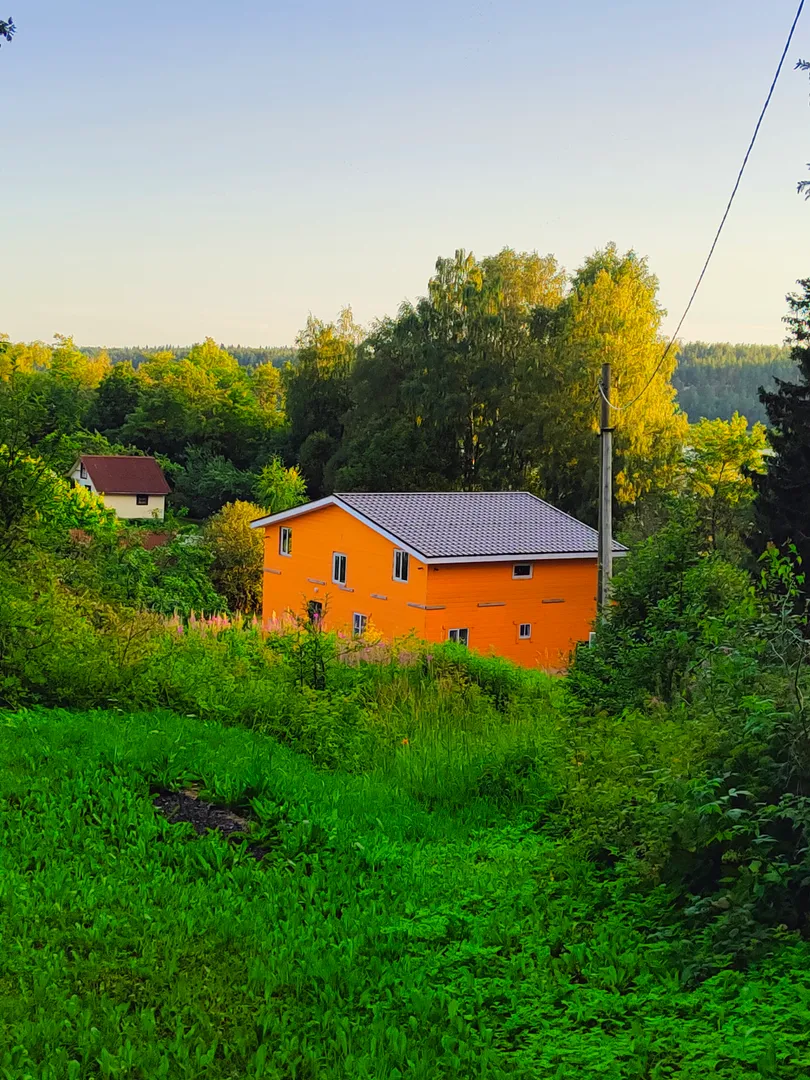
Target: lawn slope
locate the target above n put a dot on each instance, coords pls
(377, 937)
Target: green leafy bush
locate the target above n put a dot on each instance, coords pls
(673, 602)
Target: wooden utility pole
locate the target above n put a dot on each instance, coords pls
(605, 493)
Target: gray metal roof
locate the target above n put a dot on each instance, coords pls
(470, 524)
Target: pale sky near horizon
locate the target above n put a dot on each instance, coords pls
(182, 169)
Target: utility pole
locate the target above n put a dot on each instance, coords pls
(605, 493)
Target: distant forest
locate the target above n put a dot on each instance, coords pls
(248, 356)
(717, 380)
(713, 380)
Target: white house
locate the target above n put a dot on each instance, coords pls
(134, 487)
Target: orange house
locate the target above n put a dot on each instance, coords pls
(498, 571)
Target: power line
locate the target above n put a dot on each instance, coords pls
(659, 365)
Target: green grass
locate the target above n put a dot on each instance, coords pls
(409, 922)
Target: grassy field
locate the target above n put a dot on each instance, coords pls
(419, 920)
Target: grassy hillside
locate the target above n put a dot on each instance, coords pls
(385, 931)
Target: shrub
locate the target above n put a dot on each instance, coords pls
(236, 569)
(673, 602)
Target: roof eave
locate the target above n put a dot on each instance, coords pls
(536, 556)
(295, 511)
(140, 491)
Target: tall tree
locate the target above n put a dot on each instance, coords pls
(526, 280)
(116, 399)
(439, 393)
(318, 394)
(611, 314)
(783, 506)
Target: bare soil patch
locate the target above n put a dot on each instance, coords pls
(187, 806)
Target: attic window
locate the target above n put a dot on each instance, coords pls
(82, 471)
(401, 560)
(338, 568)
(522, 570)
(141, 500)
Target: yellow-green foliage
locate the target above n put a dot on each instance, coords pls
(238, 555)
(70, 506)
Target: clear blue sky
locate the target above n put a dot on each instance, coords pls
(171, 170)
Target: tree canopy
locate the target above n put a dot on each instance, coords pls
(784, 490)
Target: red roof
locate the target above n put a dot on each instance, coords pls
(116, 475)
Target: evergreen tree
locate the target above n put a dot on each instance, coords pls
(783, 506)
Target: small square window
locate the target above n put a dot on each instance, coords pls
(87, 487)
(338, 568)
(460, 634)
(359, 624)
(142, 500)
(401, 561)
(284, 541)
(525, 631)
(522, 570)
(82, 471)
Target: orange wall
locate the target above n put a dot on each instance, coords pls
(556, 627)
(436, 598)
(369, 569)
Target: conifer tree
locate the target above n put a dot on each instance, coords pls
(783, 506)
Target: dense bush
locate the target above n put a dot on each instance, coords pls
(674, 602)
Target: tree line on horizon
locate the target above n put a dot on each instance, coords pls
(713, 380)
(490, 380)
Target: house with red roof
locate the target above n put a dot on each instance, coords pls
(134, 487)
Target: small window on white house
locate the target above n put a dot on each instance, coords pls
(141, 500)
(460, 634)
(525, 631)
(82, 471)
(87, 486)
(359, 624)
(338, 568)
(401, 560)
(284, 541)
(522, 569)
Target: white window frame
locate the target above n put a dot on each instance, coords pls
(458, 631)
(285, 541)
(359, 624)
(521, 635)
(335, 564)
(82, 471)
(404, 559)
(523, 577)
